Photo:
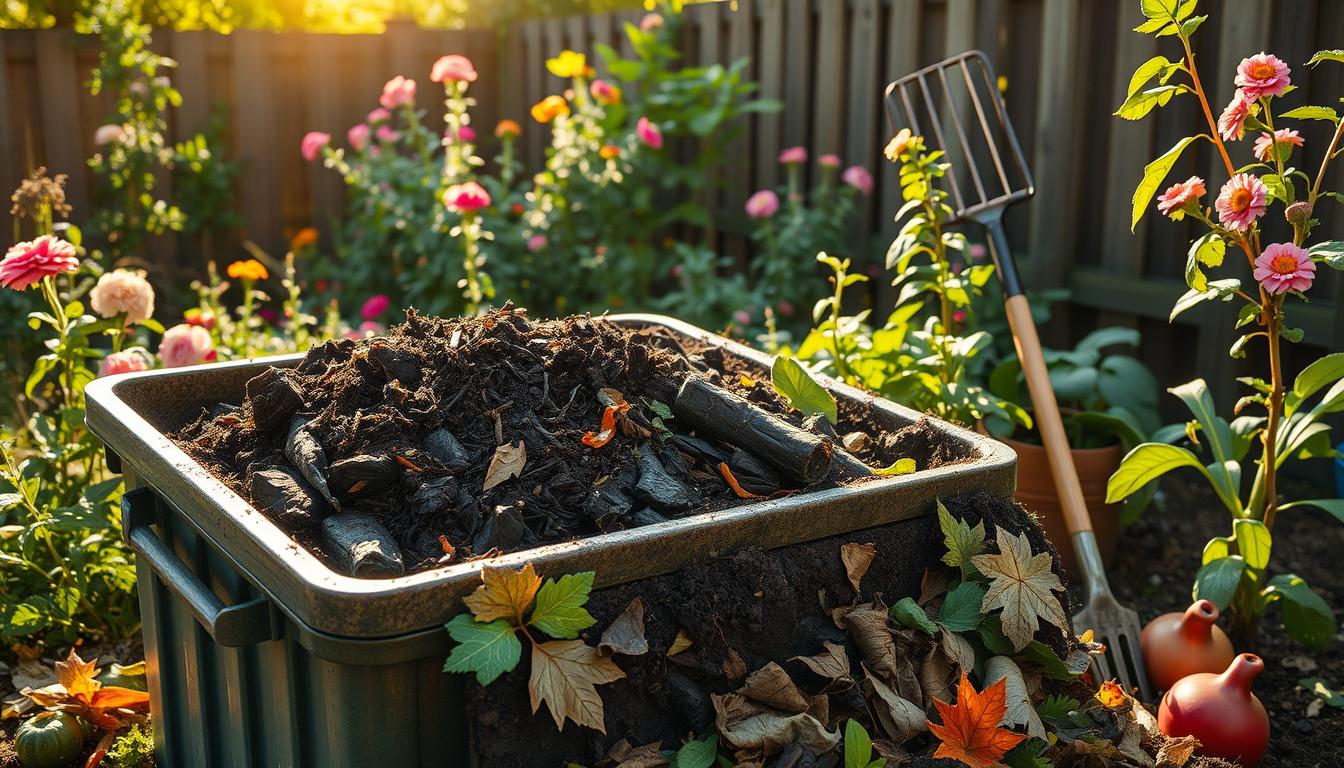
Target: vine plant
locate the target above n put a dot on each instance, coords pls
(1235, 573)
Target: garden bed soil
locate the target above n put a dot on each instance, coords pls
(1155, 565)
(405, 429)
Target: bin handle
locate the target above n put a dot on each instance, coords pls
(233, 626)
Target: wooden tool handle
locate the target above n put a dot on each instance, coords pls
(1048, 421)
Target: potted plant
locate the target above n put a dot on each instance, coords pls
(1109, 405)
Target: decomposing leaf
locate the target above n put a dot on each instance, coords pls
(734, 668)
(1323, 692)
(680, 643)
(771, 685)
(831, 664)
(610, 397)
(565, 674)
(31, 672)
(897, 468)
(506, 464)
(857, 558)
(1175, 753)
(943, 665)
(900, 718)
(1019, 711)
(963, 542)
(932, 584)
(745, 724)
(970, 730)
(728, 477)
(868, 627)
(608, 428)
(623, 755)
(488, 649)
(1111, 695)
(559, 611)
(504, 593)
(1022, 584)
(78, 676)
(625, 634)
(79, 692)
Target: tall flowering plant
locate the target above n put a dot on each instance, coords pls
(1284, 420)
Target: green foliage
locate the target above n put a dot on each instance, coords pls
(963, 542)
(859, 747)
(802, 392)
(908, 614)
(696, 753)
(960, 611)
(559, 611)
(132, 749)
(489, 649)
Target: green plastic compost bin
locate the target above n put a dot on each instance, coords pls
(262, 657)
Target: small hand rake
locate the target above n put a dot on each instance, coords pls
(955, 105)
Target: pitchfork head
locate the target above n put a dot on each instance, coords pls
(955, 105)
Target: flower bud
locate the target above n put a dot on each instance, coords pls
(1298, 213)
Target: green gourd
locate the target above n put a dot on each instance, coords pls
(131, 676)
(49, 740)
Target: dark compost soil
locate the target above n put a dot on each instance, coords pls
(403, 428)
(1155, 565)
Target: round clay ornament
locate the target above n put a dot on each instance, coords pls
(1176, 645)
(1220, 711)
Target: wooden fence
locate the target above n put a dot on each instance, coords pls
(1065, 65)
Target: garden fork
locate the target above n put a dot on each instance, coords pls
(955, 105)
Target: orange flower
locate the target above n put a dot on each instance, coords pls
(609, 151)
(549, 108)
(303, 238)
(248, 270)
(507, 128)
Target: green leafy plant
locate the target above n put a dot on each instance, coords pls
(802, 392)
(1236, 572)
(132, 749)
(859, 747)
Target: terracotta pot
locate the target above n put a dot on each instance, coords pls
(1036, 492)
(1220, 711)
(1176, 645)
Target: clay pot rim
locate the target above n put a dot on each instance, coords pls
(1019, 445)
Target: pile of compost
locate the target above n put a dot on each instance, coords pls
(453, 439)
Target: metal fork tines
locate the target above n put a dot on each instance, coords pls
(1113, 625)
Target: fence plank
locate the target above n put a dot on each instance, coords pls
(324, 113)
(254, 118)
(9, 164)
(829, 98)
(865, 102)
(191, 80)
(798, 74)
(1052, 235)
(771, 74)
(1131, 145)
(534, 135)
(59, 106)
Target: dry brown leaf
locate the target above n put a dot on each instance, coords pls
(1019, 711)
(32, 673)
(820, 707)
(857, 558)
(504, 593)
(1022, 584)
(1175, 753)
(646, 756)
(900, 718)
(734, 668)
(931, 585)
(832, 664)
(625, 634)
(957, 649)
(506, 464)
(771, 685)
(680, 643)
(565, 675)
(743, 724)
(895, 756)
(18, 705)
(78, 676)
(868, 627)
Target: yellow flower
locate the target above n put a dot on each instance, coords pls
(549, 108)
(897, 146)
(568, 64)
(248, 270)
(303, 238)
(609, 151)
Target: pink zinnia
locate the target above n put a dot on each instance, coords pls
(1241, 201)
(313, 143)
(379, 115)
(358, 136)
(397, 91)
(651, 21)
(126, 361)
(1180, 194)
(1263, 74)
(467, 134)
(185, 345)
(604, 92)
(793, 156)
(649, 133)
(1284, 267)
(536, 243)
(742, 317)
(829, 161)
(27, 263)
(385, 133)
(763, 204)
(1232, 123)
(466, 198)
(452, 68)
(1265, 145)
(374, 306)
(859, 178)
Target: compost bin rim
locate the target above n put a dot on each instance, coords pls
(316, 597)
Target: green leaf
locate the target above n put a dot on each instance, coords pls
(1330, 253)
(1153, 175)
(963, 542)
(898, 467)
(1319, 56)
(1321, 690)
(908, 614)
(559, 611)
(858, 745)
(1333, 507)
(1189, 26)
(1253, 542)
(1312, 113)
(1218, 289)
(26, 619)
(1138, 105)
(1217, 581)
(1146, 72)
(1145, 463)
(1305, 615)
(797, 386)
(1159, 9)
(697, 753)
(489, 649)
(961, 608)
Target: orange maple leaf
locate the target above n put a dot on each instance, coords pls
(970, 731)
(78, 676)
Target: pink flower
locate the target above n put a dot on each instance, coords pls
(27, 263)
(185, 345)
(959, 316)
(374, 306)
(859, 178)
(126, 361)
(123, 292)
(379, 115)
(829, 161)
(1178, 196)
(793, 156)
(386, 134)
(649, 133)
(269, 315)
(452, 68)
(977, 251)
(1284, 267)
(107, 134)
(1232, 123)
(651, 21)
(358, 136)
(742, 317)
(466, 198)
(604, 92)
(467, 134)
(763, 204)
(1263, 74)
(371, 328)
(1241, 201)
(786, 308)
(397, 91)
(1266, 146)
(536, 243)
(313, 143)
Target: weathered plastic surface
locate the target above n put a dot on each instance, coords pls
(260, 656)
